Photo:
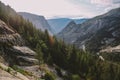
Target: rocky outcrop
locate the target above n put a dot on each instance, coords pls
(22, 56)
(16, 53)
(23, 51)
(115, 49)
(9, 36)
(4, 29)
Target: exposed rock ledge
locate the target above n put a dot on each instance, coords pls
(9, 36)
(112, 49)
(23, 51)
(14, 39)
(22, 56)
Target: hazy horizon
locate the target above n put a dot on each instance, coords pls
(64, 8)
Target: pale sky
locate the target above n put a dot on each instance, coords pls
(63, 8)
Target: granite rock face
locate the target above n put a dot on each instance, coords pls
(22, 56)
(16, 52)
(115, 49)
(9, 36)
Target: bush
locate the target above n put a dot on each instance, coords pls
(8, 70)
(21, 70)
(49, 76)
(76, 77)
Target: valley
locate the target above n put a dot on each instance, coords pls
(35, 48)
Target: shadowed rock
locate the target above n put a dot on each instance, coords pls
(23, 56)
(8, 36)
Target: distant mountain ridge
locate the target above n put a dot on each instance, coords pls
(95, 33)
(39, 21)
(60, 23)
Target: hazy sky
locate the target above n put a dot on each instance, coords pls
(63, 8)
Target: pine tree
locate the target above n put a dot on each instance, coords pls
(39, 54)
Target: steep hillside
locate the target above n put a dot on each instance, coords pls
(109, 35)
(97, 32)
(39, 21)
(60, 23)
(8, 36)
(13, 50)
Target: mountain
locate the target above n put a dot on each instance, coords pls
(95, 33)
(69, 29)
(59, 23)
(39, 21)
(79, 21)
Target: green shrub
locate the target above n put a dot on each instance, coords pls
(76, 77)
(8, 70)
(21, 70)
(49, 76)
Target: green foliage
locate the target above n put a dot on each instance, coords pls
(39, 54)
(76, 77)
(40, 79)
(49, 76)
(113, 57)
(8, 70)
(16, 68)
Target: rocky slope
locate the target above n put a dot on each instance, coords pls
(14, 51)
(7, 73)
(97, 32)
(7, 35)
(39, 21)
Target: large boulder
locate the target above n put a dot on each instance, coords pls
(115, 49)
(22, 56)
(8, 36)
(22, 51)
(16, 53)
